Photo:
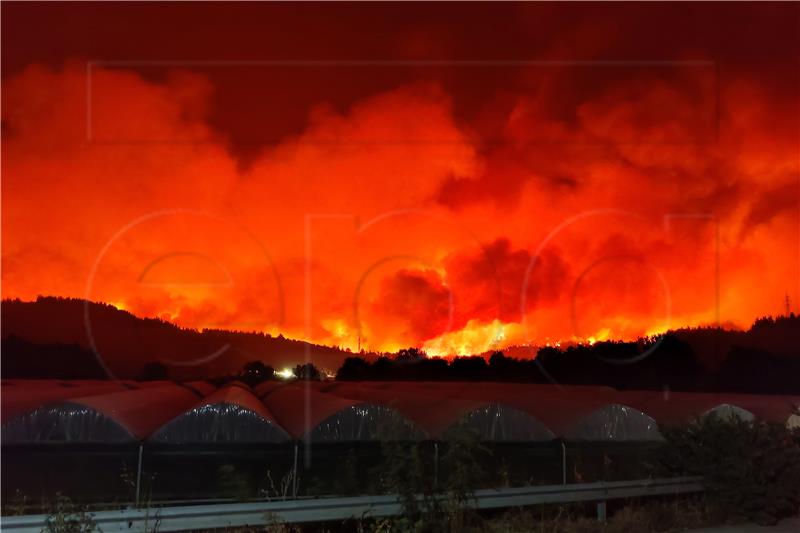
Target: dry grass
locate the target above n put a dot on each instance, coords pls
(650, 517)
(657, 516)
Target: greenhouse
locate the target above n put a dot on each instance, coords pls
(233, 414)
(227, 439)
(501, 423)
(315, 416)
(66, 422)
(130, 415)
(51, 411)
(364, 422)
(615, 423)
(727, 411)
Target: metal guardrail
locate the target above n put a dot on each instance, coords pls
(185, 518)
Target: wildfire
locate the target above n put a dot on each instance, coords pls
(598, 216)
(474, 338)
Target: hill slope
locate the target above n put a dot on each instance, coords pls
(125, 343)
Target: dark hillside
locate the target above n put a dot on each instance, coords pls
(127, 343)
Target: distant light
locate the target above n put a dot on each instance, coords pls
(286, 373)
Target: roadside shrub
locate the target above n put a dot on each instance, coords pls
(650, 516)
(66, 517)
(408, 472)
(752, 469)
(430, 504)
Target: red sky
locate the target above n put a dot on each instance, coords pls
(458, 177)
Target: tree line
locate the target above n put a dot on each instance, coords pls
(762, 360)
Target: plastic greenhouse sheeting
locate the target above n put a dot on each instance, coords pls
(728, 411)
(64, 422)
(310, 414)
(364, 422)
(203, 388)
(19, 399)
(433, 414)
(145, 410)
(266, 387)
(435, 406)
(681, 407)
(501, 423)
(299, 408)
(616, 423)
(113, 411)
(138, 412)
(559, 408)
(231, 414)
(773, 408)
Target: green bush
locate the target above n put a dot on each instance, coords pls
(752, 469)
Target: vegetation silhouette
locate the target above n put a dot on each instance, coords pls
(127, 343)
(23, 359)
(307, 372)
(47, 339)
(759, 360)
(256, 372)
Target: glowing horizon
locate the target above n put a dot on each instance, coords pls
(590, 184)
(473, 339)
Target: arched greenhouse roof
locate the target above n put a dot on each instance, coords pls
(66, 411)
(298, 408)
(671, 408)
(615, 422)
(19, 399)
(335, 418)
(559, 408)
(64, 422)
(330, 411)
(772, 408)
(231, 414)
(116, 416)
(502, 423)
(142, 411)
(727, 411)
(266, 387)
(432, 414)
(364, 422)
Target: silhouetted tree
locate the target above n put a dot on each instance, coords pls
(129, 342)
(354, 369)
(382, 368)
(499, 363)
(27, 360)
(755, 371)
(430, 368)
(256, 372)
(307, 372)
(469, 368)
